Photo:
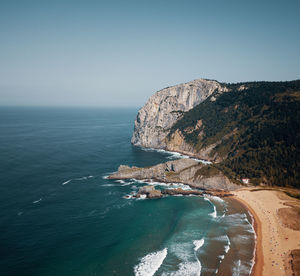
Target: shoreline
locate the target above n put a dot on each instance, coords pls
(270, 211)
(274, 240)
(257, 267)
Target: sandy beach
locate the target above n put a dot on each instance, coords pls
(277, 229)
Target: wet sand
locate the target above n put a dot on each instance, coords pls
(274, 239)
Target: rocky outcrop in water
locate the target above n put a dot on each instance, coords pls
(163, 109)
(186, 171)
(149, 191)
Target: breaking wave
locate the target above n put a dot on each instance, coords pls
(37, 201)
(79, 178)
(198, 244)
(150, 263)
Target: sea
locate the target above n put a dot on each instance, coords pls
(60, 215)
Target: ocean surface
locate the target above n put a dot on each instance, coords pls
(59, 215)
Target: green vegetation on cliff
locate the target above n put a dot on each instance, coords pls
(255, 129)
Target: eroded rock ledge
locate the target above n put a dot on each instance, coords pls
(186, 171)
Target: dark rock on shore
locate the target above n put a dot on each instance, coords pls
(180, 191)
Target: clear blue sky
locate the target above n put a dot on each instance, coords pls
(118, 53)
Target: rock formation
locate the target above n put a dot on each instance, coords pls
(163, 109)
(187, 171)
(149, 191)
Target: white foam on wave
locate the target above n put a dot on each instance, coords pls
(171, 185)
(241, 239)
(120, 181)
(108, 185)
(198, 244)
(174, 154)
(139, 181)
(162, 184)
(236, 218)
(218, 199)
(37, 201)
(214, 213)
(255, 241)
(127, 183)
(224, 239)
(80, 178)
(150, 263)
(227, 247)
(240, 268)
(142, 197)
(187, 269)
(66, 182)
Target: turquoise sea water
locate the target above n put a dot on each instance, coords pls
(59, 215)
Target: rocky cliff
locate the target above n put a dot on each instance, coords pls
(164, 108)
(251, 131)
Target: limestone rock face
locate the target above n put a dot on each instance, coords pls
(164, 108)
(154, 172)
(185, 171)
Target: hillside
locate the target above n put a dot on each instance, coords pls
(251, 130)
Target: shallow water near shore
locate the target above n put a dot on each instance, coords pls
(61, 216)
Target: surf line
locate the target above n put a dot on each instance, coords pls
(214, 213)
(198, 244)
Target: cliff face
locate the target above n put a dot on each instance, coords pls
(165, 107)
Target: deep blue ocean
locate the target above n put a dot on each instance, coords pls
(59, 215)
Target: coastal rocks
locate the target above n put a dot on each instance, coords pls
(186, 171)
(219, 182)
(149, 191)
(179, 191)
(163, 109)
(160, 171)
